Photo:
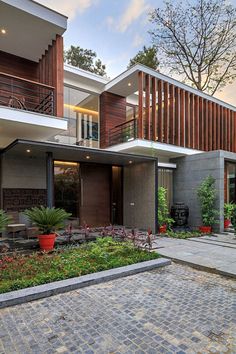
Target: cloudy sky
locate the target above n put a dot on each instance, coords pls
(115, 29)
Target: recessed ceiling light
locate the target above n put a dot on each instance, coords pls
(28, 150)
(87, 157)
(3, 31)
(129, 84)
(130, 161)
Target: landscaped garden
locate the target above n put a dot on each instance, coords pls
(17, 272)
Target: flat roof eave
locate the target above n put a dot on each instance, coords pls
(75, 153)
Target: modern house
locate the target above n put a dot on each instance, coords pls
(100, 147)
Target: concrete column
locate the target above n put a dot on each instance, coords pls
(49, 179)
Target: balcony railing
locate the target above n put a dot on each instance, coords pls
(123, 132)
(25, 94)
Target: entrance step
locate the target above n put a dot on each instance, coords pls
(214, 241)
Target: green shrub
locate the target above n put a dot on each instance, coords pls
(207, 196)
(228, 210)
(48, 220)
(163, 212)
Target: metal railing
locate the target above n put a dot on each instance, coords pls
(27, 95)
(123, 132)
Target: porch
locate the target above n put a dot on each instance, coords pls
(97, 187)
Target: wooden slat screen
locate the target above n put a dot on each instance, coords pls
(173, 115)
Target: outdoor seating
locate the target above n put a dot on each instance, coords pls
(15, 227)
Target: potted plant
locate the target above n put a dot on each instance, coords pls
(207, 196)
(228, 212)
(164, 219)
(233, 218)
(4, 220)
(48, 220)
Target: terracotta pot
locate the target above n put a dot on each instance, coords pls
(162, 229)
(46, 242)
(205, 229)
(226, 223)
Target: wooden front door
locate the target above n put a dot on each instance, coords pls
(95, 204)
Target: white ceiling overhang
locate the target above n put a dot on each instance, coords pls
(16, 124)
(30, 28)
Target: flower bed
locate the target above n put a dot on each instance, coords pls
(20, 272)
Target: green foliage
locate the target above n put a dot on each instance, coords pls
(183, 234)
(84, 59)
(207, 196)
(48, 220)
(24, 271)
(228, 210)
(4, 220)
(147, 56)
(163, 212)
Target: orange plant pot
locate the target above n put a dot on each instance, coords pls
(163, 229)
(205, 229)
(46, 242)
(226, 223)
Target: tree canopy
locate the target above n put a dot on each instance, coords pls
(84, 59)
(197, 40)
(147, 56)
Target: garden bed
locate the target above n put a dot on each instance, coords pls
(18, 272)
(183, 234)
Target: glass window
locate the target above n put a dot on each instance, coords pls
(82, 111)
(67, 186)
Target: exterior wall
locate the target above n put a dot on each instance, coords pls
(190, 172)
(16, 66)
(23, 182)
(139, 208)
(112, 113)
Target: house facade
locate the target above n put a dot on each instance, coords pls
(98, 147)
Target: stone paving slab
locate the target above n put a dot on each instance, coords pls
(212, 257)
(172, 310)
(37, 292)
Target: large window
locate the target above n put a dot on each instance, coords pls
(67, 186)
(82, 111)
(230, 182)
(165, 179)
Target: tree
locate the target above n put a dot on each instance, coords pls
(84, 59)
(147, 56)
(197, 41)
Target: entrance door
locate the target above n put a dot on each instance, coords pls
(95, 209)
(230, 182)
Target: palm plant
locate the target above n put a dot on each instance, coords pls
(4, 220)
(48, 220)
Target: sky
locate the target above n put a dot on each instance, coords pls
(115, 29)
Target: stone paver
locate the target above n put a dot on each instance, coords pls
(210, 252)
(175, 309)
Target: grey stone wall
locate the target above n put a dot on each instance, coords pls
(139, 196)
(190, 172)
(23, 172)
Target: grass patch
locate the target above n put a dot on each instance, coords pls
(20, 272)
(183, 234)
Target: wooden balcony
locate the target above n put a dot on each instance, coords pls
(23, 94)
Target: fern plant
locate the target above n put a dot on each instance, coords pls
(48, 220)
(207, 196)
(4, 220)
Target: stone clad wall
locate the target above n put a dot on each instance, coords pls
(190, 172)
(23, 182)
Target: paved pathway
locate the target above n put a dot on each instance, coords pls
(176, 309)
(216, 252)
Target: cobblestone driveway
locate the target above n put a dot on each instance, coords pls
(172, 310)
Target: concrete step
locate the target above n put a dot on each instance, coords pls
(214, 242)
